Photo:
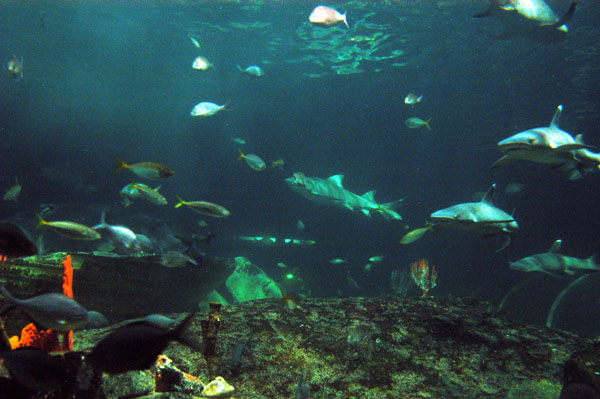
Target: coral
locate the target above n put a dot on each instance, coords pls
(543, 389)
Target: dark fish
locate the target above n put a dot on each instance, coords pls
(35, 369)
(303, 390)
(95, 320)
(14, 242)
(51, 311)
(136, 346)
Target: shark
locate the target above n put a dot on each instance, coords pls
(533, 19)
(330, 191)
(548, 145)
(553, 262)
(480, 217)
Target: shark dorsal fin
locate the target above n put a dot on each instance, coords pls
(556, 117)
(487, 198)
(336, 179)
(369, 195)
(157, 188)
(555, 247)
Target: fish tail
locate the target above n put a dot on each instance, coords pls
(345, 20)
(181, 335)
(9, 298)
(427, 124)
(240, 68)
(122, 165)
(181, 202)
(41, 221)
(241, 154)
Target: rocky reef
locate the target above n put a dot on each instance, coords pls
(364, 348)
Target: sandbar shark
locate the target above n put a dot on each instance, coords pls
(331, 192)
(532, 19)
(479, 217)
(552, 262)
(549, 145)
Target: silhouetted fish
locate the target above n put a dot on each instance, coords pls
(14, 242)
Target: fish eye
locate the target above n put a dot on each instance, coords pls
(531, 140)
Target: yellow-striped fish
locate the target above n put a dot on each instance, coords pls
(415, 234)
(68, 229)
(147, 170)
(150, 194)
(204, 208)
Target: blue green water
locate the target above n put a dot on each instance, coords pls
(103, 79)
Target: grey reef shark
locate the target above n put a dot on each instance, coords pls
(532, 19)
(479, 217)
(331, 192)
(552, 146)
(552, 262)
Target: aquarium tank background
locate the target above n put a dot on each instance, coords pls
(108, 79)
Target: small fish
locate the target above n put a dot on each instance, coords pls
(176, 259)
(254, 161)
(121, 236)
(195, 42)
(95, 320)
(14, 242)
(13, 193)
(414, 235)
(150, 194)
(513, 188)
(415, 123)
(202, 64)
(412, 99)
(300, 225)
(277, 164)
(281, 265)
(253, 71)
(142, 244)
(337, 261)
(35, 369)
(327, 16)
(368, 267)
(205, 109)
(68, 229)
(303, 389)
(15, 67)
(376, 259)
(238, 140)
(204, 208)
(51, 311)
(136, 346)
(147, 170)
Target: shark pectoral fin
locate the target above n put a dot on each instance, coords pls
(505, 244)
(565, 18)
(505, 160)
(348, 206)
(366, 212)
(568, 271)
(572, 147)
(486, 13)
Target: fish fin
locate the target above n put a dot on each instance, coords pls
(336, 179)
(122, 165)
(486, 13)
(158, 188)
(487, 198)
(505, 160)
(369, 195)
(556, 117)
(366, 212)
(505, 244)
(555, 246)
(41, 221)
(427, 123)
(345, 20)
(181, 202)
(568, 271)
(241, 154)
(571, 147)
(348, 206)
(180, 333)
(240, 68)
(565, 18)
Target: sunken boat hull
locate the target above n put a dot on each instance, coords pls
(120, 287)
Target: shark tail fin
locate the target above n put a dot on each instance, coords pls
(241, 154)
(560, 24)
(181, 202)
(387, 210)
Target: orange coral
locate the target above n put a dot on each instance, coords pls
(424, 276)
(47, 340)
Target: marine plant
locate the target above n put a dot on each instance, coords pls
(425, 277)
